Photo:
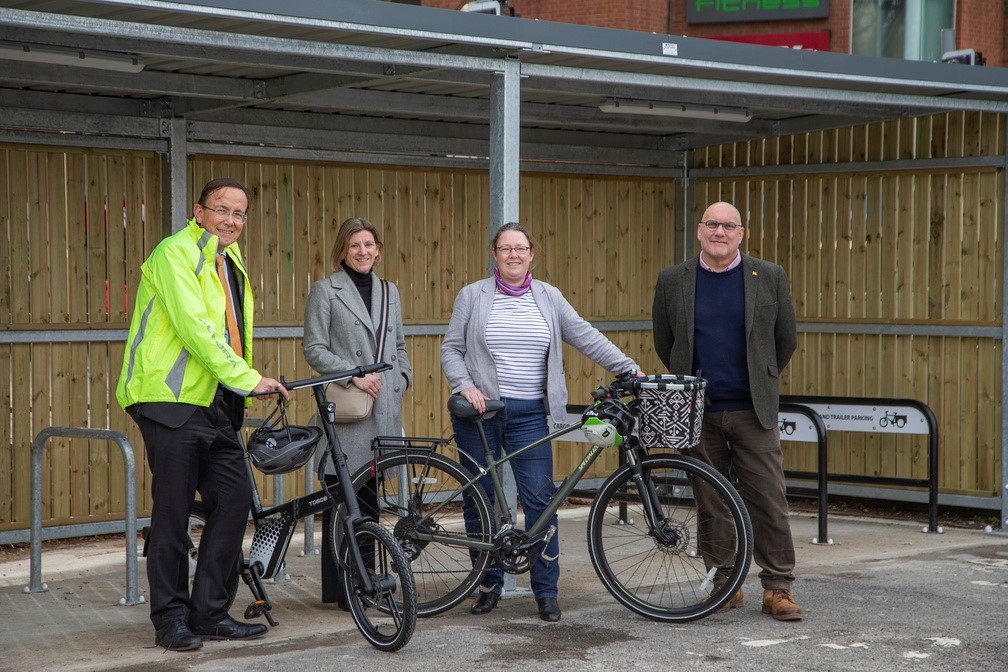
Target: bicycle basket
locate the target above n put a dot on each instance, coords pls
(670, 411)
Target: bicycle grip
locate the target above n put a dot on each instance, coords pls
(371, 368)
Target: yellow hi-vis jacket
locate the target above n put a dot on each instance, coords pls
(176, 350)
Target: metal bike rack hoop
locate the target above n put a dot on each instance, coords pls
(38, 445)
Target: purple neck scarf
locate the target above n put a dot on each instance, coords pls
(512, 290)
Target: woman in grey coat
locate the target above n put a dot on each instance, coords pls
(340, 324)
(505, 341)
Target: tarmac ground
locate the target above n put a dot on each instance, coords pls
(884, 596)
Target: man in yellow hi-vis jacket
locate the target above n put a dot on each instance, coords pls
(186, 376)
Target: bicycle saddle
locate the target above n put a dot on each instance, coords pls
(460, 408)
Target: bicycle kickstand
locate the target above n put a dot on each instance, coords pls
(261, 605)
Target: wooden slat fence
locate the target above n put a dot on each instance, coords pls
(875, 247)
(82, 221)
(910, 247)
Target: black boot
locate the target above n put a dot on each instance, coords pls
(485, 602)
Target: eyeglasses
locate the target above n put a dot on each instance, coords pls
(227, 214)
(728, 227)
(506, 250)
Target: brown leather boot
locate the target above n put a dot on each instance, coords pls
(781, 605)
(737, 601)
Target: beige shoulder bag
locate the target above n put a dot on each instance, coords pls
(351, 402)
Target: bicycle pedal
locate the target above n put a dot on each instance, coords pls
(257, 609)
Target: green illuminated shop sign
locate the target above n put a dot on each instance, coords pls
(731, 11)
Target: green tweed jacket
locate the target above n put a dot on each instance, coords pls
(770, 329)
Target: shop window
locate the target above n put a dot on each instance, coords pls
(909, 29)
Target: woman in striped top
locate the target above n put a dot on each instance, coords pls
(505, 341)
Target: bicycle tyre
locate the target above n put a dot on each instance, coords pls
(444, 574)
(661, 574)
(386, 619)
(197, 521)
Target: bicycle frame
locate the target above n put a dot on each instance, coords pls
(563, 491)
(323, 499)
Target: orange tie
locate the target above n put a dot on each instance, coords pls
(234, 335)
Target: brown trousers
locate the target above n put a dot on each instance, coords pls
(737, 445)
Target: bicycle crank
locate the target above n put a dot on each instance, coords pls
(514, 553)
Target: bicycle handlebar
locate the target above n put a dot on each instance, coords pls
(331, 377)
(631, 383)
(624, 385)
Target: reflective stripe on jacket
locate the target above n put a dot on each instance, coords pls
(176, 350)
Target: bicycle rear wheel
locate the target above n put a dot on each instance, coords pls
(387, 617)
(661, 573)
(416, 497)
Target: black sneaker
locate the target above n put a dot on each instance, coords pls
(176, 636)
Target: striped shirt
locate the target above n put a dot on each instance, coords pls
(518, 338)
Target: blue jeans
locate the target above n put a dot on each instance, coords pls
(521, 422)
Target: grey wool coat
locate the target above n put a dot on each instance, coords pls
(770, 327)
(339, 334)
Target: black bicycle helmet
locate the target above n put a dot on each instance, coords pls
(276, 447)
(607, 422)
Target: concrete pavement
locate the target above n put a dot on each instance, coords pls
(884, 596)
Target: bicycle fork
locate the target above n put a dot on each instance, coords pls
(650, 500)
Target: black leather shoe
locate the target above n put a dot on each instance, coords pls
(229, 628)
(549, 610)
(176, 636)
(485, 603)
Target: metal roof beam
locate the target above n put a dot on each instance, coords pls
(430, 128)
(82, 123)
(785, 95)
(152, 84)
(407, 142)
(68, 102)
(478, 110)
(433, 29)
(231, 48)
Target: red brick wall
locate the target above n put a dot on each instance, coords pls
(980, 24)
(644, 15)
(974, 21)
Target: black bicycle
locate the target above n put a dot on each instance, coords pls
(376, 574)
(647, 538)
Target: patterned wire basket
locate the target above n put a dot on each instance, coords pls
(670, 411)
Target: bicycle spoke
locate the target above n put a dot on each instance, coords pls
(660, 573)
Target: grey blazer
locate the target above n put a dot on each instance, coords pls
(339, 334)
(771, 336)
(466, 358)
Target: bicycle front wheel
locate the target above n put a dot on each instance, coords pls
(387, 616)
(419, 495)
(686, 564)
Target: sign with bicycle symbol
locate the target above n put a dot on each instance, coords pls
(857, 418)
(796, 427)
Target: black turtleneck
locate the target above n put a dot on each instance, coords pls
(362, 281)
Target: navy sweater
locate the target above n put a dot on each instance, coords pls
(719, 343)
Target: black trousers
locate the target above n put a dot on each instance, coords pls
(332, 586)
(204, 455)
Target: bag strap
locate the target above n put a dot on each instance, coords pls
(383, 323)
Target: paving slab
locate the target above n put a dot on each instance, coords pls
(883, 596)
